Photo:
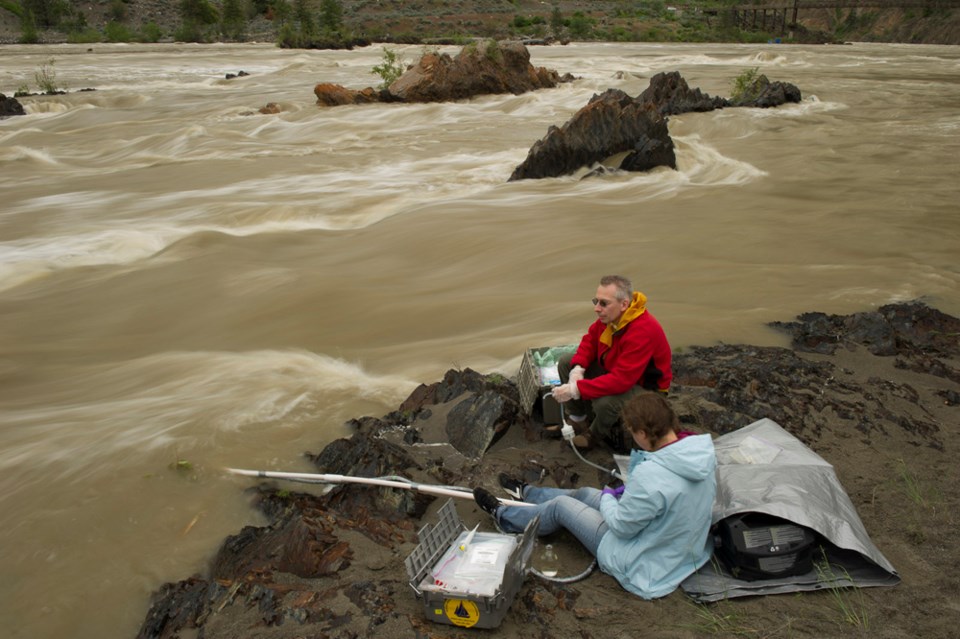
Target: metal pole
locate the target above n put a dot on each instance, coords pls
(371, 481)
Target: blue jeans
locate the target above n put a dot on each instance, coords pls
(576, 510)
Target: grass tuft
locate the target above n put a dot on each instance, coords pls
(721, 619)
(915, 490)
(849, 601)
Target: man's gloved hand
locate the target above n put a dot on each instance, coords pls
(566, 392)
(616, 492)
(577, 373)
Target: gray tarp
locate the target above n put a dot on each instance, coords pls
(763, 468)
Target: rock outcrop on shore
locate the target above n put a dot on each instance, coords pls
(874, 393)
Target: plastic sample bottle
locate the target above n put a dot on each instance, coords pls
(549, 562)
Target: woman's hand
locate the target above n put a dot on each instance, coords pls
(615, 492)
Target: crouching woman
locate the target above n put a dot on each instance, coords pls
(652, 532)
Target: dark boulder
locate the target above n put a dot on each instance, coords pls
(765, 94)
(669, 94)
(895, 329)
(366, 454)
(611, 123)
(178, 606)
(474, 423)
(10, 106)
(637, 126)
(334, 42)
(302, 542)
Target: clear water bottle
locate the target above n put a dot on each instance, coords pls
(549, 564)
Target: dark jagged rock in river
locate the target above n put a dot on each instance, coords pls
(10, 106)
(764, 94)
(332, 564)
(320, 42)
(482, 68)
(669, 94)
(611, 123)
(633, 125)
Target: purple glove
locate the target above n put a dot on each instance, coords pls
(616, 492)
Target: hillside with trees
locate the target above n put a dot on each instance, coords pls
(335, 23)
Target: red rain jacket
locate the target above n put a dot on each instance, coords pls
(639, 354)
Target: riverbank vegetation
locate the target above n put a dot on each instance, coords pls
(336, 23)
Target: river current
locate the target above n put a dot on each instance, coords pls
(187, 284)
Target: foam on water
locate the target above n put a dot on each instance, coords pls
(49, 107)
(15, 153)
(26, 260)
(182, 400)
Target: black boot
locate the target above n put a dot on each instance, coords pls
(485, 499)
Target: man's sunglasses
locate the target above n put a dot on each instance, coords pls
(602, 303)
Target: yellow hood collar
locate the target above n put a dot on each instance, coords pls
(637, 307)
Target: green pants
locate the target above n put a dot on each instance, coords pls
(603, 413)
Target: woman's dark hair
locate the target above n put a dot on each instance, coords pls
(649, 413)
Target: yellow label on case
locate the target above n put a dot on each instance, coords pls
(461, 612)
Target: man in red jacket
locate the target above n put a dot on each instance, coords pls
(624, 352)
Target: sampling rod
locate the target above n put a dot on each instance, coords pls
(404, 484)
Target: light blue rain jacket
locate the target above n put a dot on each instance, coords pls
(659, 529)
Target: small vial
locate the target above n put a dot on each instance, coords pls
(549, 562)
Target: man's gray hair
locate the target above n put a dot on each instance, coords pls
(624, 285)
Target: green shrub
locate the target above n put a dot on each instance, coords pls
(190, 32)
(85, 36)
(745, 86)
(118, 11)
(46, 14)
(46, 77)
(580, 25)
(288, 37)
(304, 17)
(391, 68)
(233, 22)
(525, 22)
(150, 32)
(116, 32)
(556, 21)
(12, 7)
(493, 52)
(28, 31)
(199, 12)
(331, 15)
